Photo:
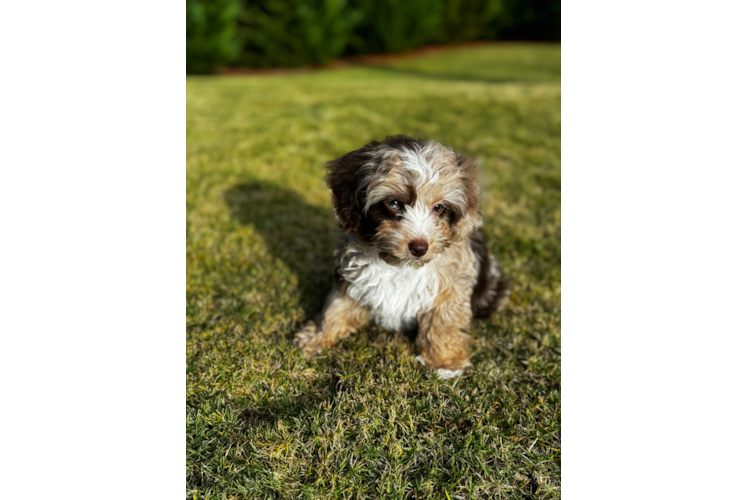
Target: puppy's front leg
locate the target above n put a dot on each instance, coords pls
(341, 317)
(444, 345)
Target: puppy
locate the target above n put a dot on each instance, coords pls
(412, 255)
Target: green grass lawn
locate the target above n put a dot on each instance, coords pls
(366, 420)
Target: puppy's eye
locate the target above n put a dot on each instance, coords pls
(394, 205)
(439, 208)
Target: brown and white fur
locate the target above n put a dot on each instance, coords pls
(412, 254)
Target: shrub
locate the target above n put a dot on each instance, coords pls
(397, 25)
(471, 20)
(266, 33)
(211, 34)
(531, 20)
(291, 33)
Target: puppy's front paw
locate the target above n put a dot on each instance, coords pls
(307, 339)
(445, 374)
(442, 373)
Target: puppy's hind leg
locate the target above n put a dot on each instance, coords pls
(341, 317)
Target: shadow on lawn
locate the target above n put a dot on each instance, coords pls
(324, 393)
(301, 235)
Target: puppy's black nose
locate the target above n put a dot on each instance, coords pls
(418, 247)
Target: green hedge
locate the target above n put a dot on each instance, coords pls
(211, 34)
(396, 25)
(288, 33)
(473, 20)
(268, 33)
(532, 20)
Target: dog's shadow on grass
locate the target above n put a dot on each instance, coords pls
(300, 234)
(323, 393)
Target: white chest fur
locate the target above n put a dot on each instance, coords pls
(395, 294)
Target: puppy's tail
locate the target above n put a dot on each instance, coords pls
(492, 288)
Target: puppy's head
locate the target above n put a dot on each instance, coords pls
(411, 198)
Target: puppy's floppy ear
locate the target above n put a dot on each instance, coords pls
(467, 218)
(347, 178)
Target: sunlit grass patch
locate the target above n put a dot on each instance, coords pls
(366, 420)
